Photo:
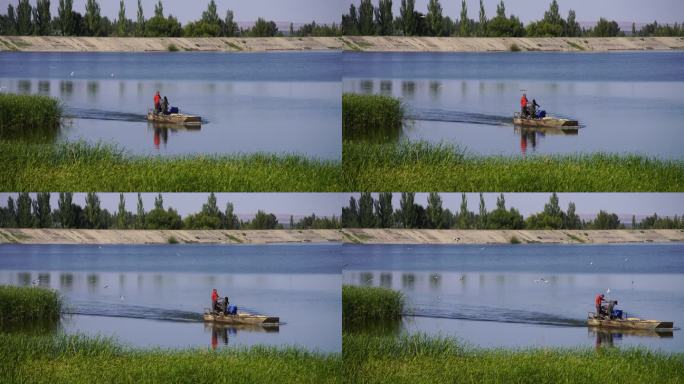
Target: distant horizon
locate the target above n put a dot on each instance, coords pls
(301, 12)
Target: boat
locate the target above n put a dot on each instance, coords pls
(629, 323)
(547, 121)
(239, 318)
(174, 118)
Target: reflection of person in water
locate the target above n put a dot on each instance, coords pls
(604, 339)
(160, 135)
(525, 136)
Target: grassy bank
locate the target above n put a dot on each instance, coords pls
(422, 166)
(371, 117)
(422, 359)
(27, 304)
(85, 167)
(32, 117)
(367, 304)
(78, 359)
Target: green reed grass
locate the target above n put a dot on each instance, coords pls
(371, 117)
(80, 359)
(85, 167)
(367, 304)
(423, 359)
(19, 305)
(32, 116)
(422, 166)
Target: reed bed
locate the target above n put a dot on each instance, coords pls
(371, 117)
(422, 359)
(79, 166)
(368, 304)
(21, 305)
(80, 359)
(29, 116)
(422, 166)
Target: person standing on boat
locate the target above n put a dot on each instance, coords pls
(214, 299)
(598, 301)
(165, 106)
(523, 105)
(533, 108)
(157, 102)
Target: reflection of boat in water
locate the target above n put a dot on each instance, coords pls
(161, 131)
(546, 121)
(174, 118)
(530, 134)
(239, 318)
(222, 331)
(629, 323)
(606, 337)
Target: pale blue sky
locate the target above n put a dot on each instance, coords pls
(327, 11)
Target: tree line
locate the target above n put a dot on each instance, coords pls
(367, 19)
(25, 19)
(25, 212)
(368, 212)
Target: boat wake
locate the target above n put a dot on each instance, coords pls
(442, 115)
(99, 114)
(499, 315)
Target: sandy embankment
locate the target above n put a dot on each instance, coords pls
(354, 43)
(357, 236)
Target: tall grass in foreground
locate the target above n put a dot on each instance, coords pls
(85, 167)
(371, 117)
(29, 116)
(421, 166)
(28, 304)
(422, 359)
(367, 304)
(79, 359)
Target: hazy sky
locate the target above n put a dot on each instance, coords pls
(586, 203)
(281, 204)
(327, 11)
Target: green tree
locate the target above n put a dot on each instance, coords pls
(208, 218)
(572, 219)
(263, 28)
(464, 22)
(232, 221)
(140, 24)
(140, 216)
(24, 24)
(434, 18)
(551, 218)
(384, 18)
(408, 21)
(121, 23)
(208, 25)
(92, 211)
(482, 217)
(24, 217)
(464, 220)
(551, 25)
(605, 220)
(500, 218)
(8, 23)
(366, 217)
(121, 214)
(42, 18)
(160, 26)
(93, 19)
(366, 12)
(42, 210)
(66, 214)
(350, 214)
(572, 27)
(264, 220)
(605, 28)
(350, 22)
(230, 26)
(407, 214)
(66, 22)
(482, 27)
(434, 211)
(9, 217)
(158, 218)
(384, 210)
(500, 26)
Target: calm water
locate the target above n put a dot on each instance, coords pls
(532, 295)
(154, 295)
(625, 102)
(251, 102)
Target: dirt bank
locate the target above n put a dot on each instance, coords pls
(430, 236)
(354, 43)
(112, 236)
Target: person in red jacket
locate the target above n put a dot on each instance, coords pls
(157, 102)
(214, 299)
(598, 301)
(523, 105)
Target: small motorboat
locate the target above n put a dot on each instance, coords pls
(174, 118)
(546, 121)
(239, 318)
(628, 323)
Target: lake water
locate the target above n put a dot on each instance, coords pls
(154, 295)
(250, 102)
(625, 102)
(527, 296)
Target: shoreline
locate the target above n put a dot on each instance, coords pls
(347, 43)
(348, 235)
